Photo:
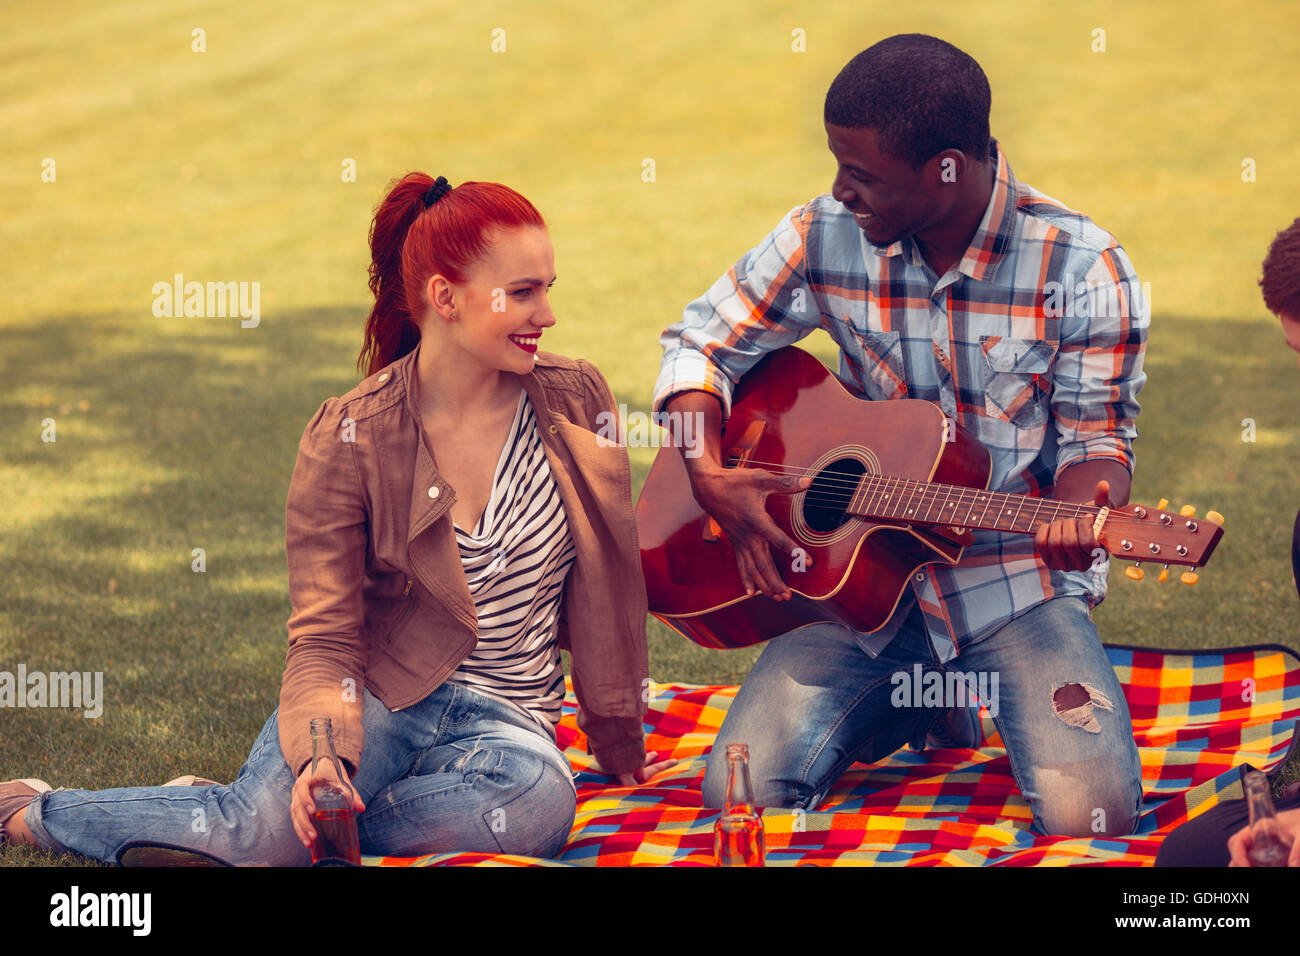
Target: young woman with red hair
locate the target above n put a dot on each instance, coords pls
(452, 523)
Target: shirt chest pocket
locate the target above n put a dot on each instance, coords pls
(1016, 386)
(879, 357)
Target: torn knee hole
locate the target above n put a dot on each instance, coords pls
(1075, 705)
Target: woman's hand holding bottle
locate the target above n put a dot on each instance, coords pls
(301, 804)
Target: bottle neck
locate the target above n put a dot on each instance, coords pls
(740, 792)
(322, 748)
(322, 740)
(1259, 798)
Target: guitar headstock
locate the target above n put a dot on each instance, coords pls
(1140, 533)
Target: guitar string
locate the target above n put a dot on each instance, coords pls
(930, 493)
(839, 500)
(910, 486)
(1063, 509)
(846, 482)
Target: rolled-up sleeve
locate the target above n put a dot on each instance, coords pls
(326, 531)
(763, 303)
(1098, 370)
(617, 743)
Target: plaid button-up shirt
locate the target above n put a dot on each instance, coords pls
(1033, 342)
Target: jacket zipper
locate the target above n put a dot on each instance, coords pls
(406, 612)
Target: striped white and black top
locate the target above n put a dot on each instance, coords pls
(516, 560)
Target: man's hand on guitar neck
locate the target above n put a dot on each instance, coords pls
(1069, 544)
(734, 498)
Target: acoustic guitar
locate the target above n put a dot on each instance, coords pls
(896, 486)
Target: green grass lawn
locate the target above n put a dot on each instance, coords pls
(175, 434)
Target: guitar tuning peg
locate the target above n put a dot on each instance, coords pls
(1190, 577)
(1163, 575)
(1162, 504)
(1134, 572)
(1215, 517)
(1187, 511)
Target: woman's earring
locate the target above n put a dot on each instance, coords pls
(453, 315)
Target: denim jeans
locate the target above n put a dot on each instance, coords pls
(815, 702)
(458, 771)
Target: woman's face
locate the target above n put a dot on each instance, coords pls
(502, 306)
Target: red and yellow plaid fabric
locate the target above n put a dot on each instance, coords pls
(1197, 717)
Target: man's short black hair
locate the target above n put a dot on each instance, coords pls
(921, 94)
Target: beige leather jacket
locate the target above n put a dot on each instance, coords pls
(378, 594)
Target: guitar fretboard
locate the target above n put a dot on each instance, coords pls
(924, 502)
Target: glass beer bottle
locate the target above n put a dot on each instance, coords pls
(334, 820)
(738, 833)
(1269, 845)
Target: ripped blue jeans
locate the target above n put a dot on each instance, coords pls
(459, 771)
(816, 702)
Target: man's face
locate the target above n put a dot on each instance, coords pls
(888, 198)
(1291, 329)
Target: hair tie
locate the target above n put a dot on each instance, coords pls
(435, 192)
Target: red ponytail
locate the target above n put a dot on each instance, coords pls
(409, 243)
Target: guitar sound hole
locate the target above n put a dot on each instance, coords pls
(828, 496)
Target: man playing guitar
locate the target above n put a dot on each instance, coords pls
(941, 277)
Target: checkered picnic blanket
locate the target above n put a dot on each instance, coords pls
(1197, 716)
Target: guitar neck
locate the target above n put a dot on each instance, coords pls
(880, 497)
